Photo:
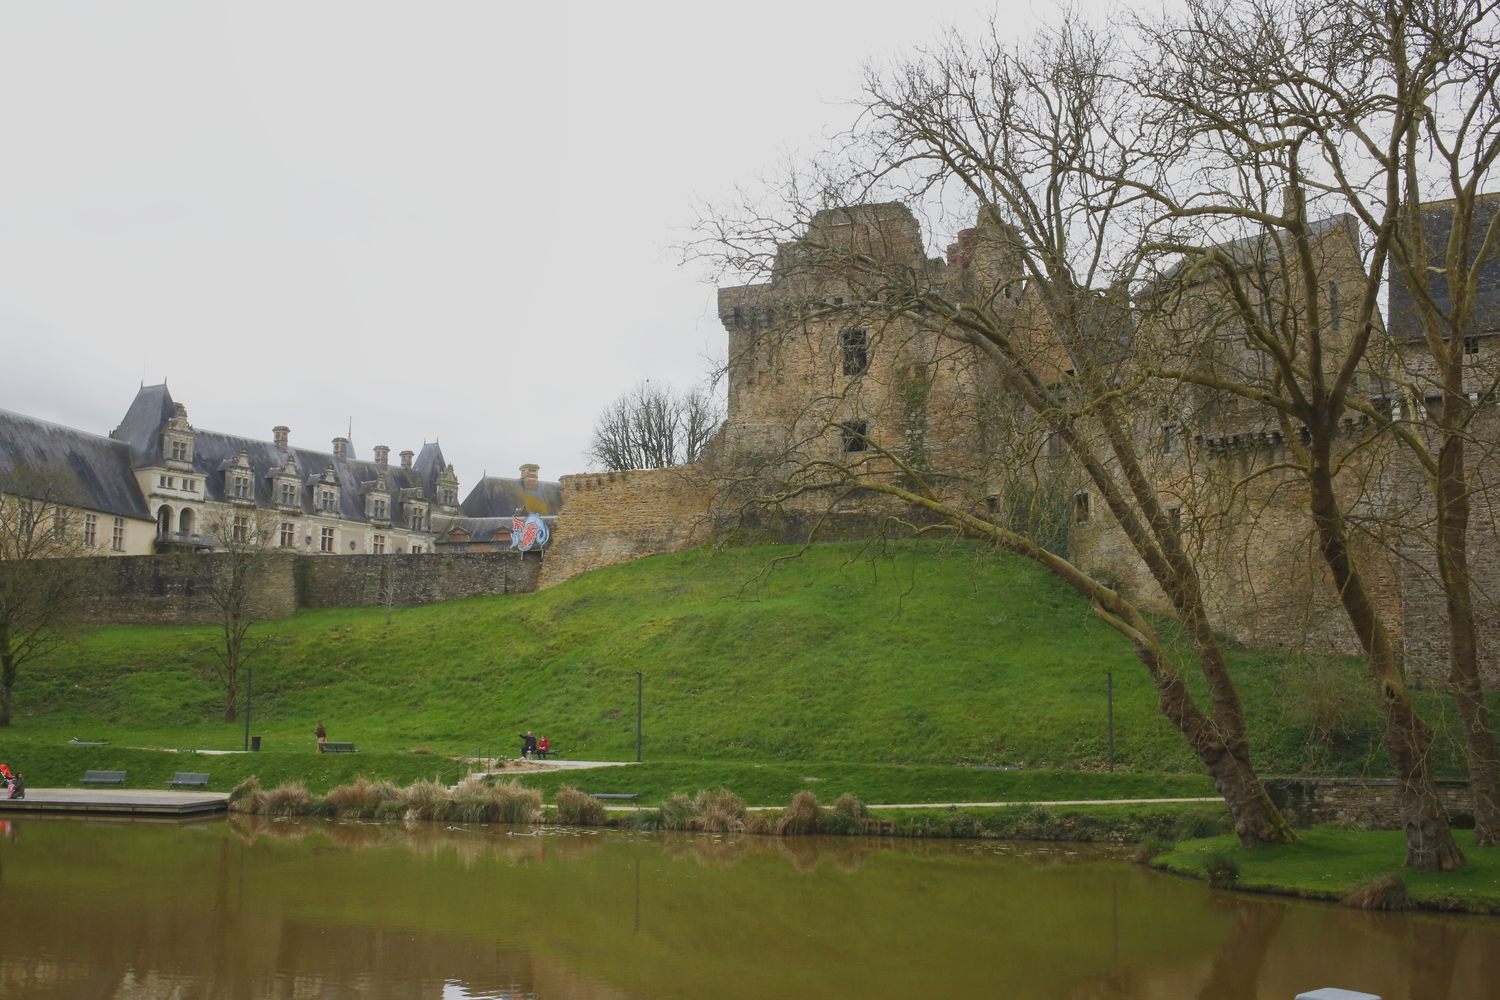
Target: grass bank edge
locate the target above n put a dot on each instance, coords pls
(1332, 862)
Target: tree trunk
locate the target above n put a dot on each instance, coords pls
(1463, 648)
(1429, 841)
(7, 681)
(232, 675)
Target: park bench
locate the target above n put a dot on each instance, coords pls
(189, 779)
(614, 795)
(103, 778)
(544, 754)
(329, 747)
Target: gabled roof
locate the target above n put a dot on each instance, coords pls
(141, 429)
(494, 496)
(88, 470)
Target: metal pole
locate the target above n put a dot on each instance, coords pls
(249, 682)
(639, 687)
(1111, 677)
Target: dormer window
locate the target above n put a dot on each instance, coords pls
(240, 487)
(450, 497)
(288, 494)
(327, 499)
(179, 451)
(380, 510)
(416, 518)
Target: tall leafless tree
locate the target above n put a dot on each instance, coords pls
(40, 586)
(652, 427)
(240, 563)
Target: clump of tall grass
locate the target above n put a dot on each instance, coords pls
(803, 816)
(246, 796)
(1148, 848)
(290, 799)
(364, 799)
(1194, 824)
(1387, 892)
(575, 808)
(1222, 869)
(475, 800)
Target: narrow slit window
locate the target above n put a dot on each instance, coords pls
(1471, 345)
(853, 436)
(1080, 508)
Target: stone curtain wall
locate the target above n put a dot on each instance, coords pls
(1372, 802)
(360, 581)
(172, 589)
(614, 517)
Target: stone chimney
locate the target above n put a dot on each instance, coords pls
(280, 435)
(382, 455)
(528, 476)
(406, 457)
(341, 449)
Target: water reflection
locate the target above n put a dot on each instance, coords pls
(255, 908)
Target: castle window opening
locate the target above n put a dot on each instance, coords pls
(992, 505)
(416, 550)
(1335, 311)
(1471, 345)
(450, 497)
(185, 521)
(241, 530)
(380, 509)
(1080, 508)
(165, 481)
(117, 536)
(288, 495)
(1054, 445)
(91, 530)
(1168, 439)
(179, 451)
(1174, 515)
(325, 540)
(377, 546)
(191, 485)
(288, 534)
(856, 351)
(325, 500)
(163, 521)
(241, 486)
(854, 436)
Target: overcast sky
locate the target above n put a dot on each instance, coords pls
(442, 220)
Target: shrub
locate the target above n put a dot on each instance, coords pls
(291, 799)
(574, 808)
(246, 796)
(1149, 848)
(1222, 869)
(362, 799)
(1387, 892)
(803, 816)
(1194, 824)
(719, 811)
(421, 799)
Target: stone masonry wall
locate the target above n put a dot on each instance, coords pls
(614, 517)
(361, 581)
(172, 589)
(1372, 802)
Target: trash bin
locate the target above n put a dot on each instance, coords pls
(255, 744)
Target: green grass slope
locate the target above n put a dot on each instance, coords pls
(930, 653)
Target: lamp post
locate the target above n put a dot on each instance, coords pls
(249, 683)
(1111, 678)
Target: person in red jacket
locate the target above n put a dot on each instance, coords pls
(543, 745)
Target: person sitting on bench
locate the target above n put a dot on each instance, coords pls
(528, 744)
(544, 746)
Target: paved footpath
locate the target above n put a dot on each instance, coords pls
(992, 805)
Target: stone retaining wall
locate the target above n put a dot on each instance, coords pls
(1372, 802)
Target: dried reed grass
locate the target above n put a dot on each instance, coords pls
(574, 808)
(804, 816)
(1387, 892)
(290, 799)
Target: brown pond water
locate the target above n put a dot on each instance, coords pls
(250, 908)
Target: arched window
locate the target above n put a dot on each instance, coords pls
(185, 521)
(163, 521)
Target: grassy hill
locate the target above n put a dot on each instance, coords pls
(925, 653)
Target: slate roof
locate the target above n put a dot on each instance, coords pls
(92, 472)
(495, 496)
(213, 452)
(1250, 250)
(1437, 224)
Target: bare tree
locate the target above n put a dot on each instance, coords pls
(40, 588)
(1035, 138)
(652, 427)
(240, 562)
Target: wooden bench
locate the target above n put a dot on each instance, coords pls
(103, 778)
(329, 747)
(544, 754)
(189, 779)
(614, 795)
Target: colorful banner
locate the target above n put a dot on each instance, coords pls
(528, 534)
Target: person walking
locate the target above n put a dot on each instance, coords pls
(322, 735)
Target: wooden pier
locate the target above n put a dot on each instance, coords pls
(116, 801)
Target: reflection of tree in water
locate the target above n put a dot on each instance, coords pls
(1236, 969)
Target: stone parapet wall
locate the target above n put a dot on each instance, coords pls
(173, 589)
(1372, 802)
(362, 581)
(615, 517)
